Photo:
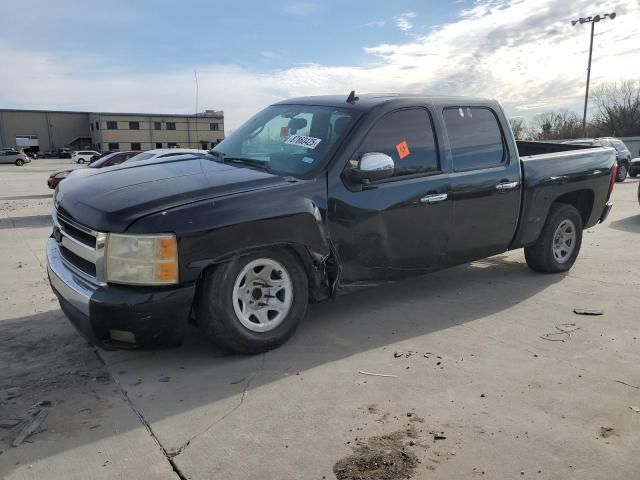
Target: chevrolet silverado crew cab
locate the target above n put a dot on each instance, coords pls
(310, 198)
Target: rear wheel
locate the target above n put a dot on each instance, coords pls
(254, 303)
(19, 162)
(622, 172)
(633, 174)
(559, 243)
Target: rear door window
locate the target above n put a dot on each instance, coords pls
(475, 138)
(407, 137)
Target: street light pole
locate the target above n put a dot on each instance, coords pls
(592, 21)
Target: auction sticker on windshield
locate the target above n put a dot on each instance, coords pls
(302, 141)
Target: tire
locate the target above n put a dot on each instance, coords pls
(633, 175)
(223, 310)
(545, 257)
(623, 168)
(19, 162)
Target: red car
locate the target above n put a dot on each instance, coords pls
(109, 160)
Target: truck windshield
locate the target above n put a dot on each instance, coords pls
(286, 139)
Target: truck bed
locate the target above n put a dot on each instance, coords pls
(528, 149)
(551, 170)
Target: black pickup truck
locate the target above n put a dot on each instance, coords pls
(310, 198)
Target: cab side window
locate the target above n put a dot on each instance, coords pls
(475, 138)
(407, 137)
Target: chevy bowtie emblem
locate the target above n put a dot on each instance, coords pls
(57, 234)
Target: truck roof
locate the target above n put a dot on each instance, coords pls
(371, 100)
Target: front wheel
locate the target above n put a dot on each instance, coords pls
(622, 172)
(19, 162)
(254, 303)
(557, 248)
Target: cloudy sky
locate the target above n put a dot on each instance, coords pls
(120, 55)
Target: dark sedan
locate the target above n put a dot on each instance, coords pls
(107, 161)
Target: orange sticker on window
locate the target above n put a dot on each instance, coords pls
(403, 150)
(284, 131)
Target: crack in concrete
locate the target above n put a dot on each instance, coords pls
(247, 386)
(143, 420)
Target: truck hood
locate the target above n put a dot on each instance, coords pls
(109, 200)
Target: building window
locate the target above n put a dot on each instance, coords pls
(157, 126)
(203, 145)
(91, 125)
(171, 125)
(112, 125)
(172, 145)
(114, 146)
(134, 125)
(97, 125)
(135, 146)
(214, 126)
(158, 144)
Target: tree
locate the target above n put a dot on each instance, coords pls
(518, 127)
(556, 125)
(618, 109)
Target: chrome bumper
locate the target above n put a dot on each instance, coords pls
(65, 282)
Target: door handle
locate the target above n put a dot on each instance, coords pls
(430, 199)
(501, 187)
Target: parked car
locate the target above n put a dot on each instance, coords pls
(106, 161)
(14, 156)
(312, 197)
(623, 155)
(60, 153)
(164, 153)
(634, 167)
(83, 156)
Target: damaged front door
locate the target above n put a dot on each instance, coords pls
(397, 227)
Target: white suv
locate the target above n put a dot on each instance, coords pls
(83, 156)
(164, 153)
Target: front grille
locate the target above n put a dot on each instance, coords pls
(75, 231)
(77, 261)
(81, 247)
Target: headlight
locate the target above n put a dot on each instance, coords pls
(142, 259)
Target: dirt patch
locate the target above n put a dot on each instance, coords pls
(386, 457)
(606, 432)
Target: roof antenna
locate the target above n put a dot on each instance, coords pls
(352, 97)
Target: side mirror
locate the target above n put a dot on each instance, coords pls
(371, 167)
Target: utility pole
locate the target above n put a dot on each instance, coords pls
(195, 74)
(592, 20)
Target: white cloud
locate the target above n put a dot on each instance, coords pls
(525, 53)
(403, 21)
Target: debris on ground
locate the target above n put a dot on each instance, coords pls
(606, 432)
(164, 379)
(586, 311)
(635, 409)
(438, 435)
(379, 458)
(9, 423)
(377, 374)
(563, 329)
(627, 384)
(30, 427)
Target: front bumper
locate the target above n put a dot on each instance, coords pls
(113, 316)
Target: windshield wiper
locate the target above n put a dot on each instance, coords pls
(251, 162)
